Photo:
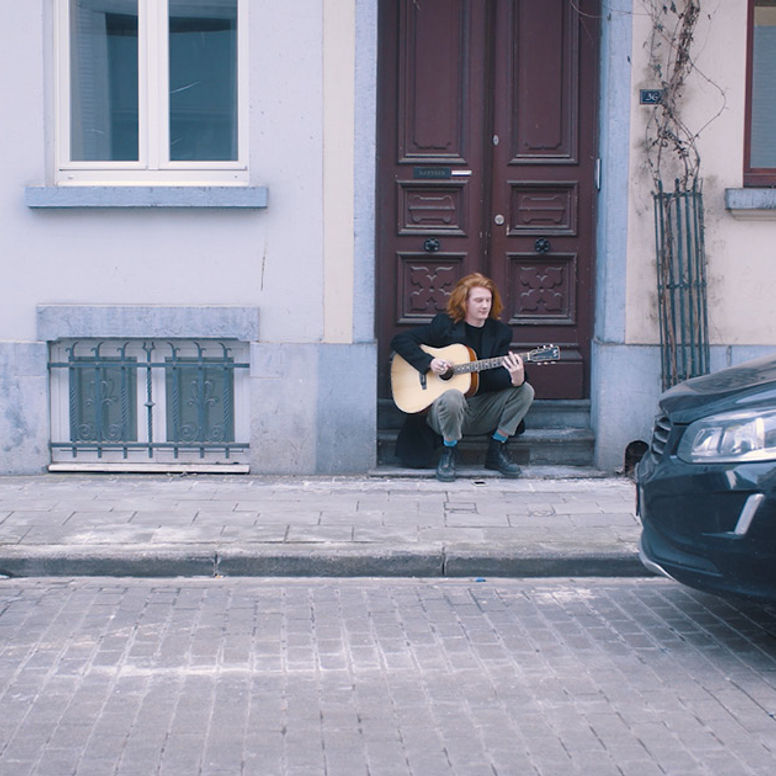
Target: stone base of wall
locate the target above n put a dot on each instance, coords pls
(24, 411)
(312, 406)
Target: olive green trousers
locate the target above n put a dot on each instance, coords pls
(454, 416)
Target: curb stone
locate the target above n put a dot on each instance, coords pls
(289, 561)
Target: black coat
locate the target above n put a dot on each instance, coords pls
(417, 441)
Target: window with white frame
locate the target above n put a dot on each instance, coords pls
(159, 402)
(151, 91)
(759, 145)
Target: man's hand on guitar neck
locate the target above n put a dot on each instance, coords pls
(514, 365)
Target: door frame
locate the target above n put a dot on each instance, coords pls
(579, 356)
(617, 368)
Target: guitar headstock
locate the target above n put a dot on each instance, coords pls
(544, 354)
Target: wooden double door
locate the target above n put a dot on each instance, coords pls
(487, 163)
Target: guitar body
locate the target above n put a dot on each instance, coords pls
(414, 392)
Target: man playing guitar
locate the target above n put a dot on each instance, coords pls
(503, 397)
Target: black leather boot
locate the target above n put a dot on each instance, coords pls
(445, 471)
(498, 459)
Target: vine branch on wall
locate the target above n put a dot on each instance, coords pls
(671, 145)
(672, 156)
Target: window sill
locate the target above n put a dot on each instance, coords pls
(751, 204)
(154, 468)
(146, 196)
(140, 321)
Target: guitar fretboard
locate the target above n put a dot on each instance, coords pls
(484, 363)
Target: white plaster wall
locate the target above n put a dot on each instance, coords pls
(740, 253)
(21, 152)
(339, 29)
(272, 258)
(286, 156)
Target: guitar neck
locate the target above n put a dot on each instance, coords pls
(484, 363)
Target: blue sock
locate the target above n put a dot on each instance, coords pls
(451, 443)
(499, 437)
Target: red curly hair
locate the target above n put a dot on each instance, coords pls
(456, 304)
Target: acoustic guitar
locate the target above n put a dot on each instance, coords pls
(414, 391)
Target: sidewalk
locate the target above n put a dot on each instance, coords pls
(399, 525)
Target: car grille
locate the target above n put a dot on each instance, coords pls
(660, 435)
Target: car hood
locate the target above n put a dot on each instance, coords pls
(751, 384)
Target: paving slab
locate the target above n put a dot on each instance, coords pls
(402, 524)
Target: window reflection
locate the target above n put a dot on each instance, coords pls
(203, 80)
(103, 80)
(763, 142)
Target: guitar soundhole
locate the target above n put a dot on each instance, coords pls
(447, 375)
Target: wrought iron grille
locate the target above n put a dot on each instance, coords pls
(681, 284)
(172, 399)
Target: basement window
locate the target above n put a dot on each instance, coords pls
(163, 405)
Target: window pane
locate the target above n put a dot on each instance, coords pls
(203, 80)
(763, 138)
(103, 80)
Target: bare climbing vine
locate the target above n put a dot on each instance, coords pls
(673, 158)
(672, 150)
(671, 145)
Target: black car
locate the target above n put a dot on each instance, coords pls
(707, 484)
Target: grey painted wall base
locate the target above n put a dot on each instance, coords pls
(312, 405)
(24, 412)
(313, 408)
(723, 356)
(623, 406)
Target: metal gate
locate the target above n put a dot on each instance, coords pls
(681, 283)
(145, 399)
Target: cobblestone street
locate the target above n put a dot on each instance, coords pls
(366, 676)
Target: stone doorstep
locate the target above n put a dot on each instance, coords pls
(548, 446)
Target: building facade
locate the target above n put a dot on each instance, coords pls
(215, 212)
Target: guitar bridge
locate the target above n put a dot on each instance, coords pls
(423, 381)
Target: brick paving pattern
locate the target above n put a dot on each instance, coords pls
(373, 677)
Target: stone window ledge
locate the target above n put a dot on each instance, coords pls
(751, 203)
(133, 321)
(146, 196)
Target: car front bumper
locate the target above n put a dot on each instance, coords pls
(712, 527)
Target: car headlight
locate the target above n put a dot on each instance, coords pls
(748, 435)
